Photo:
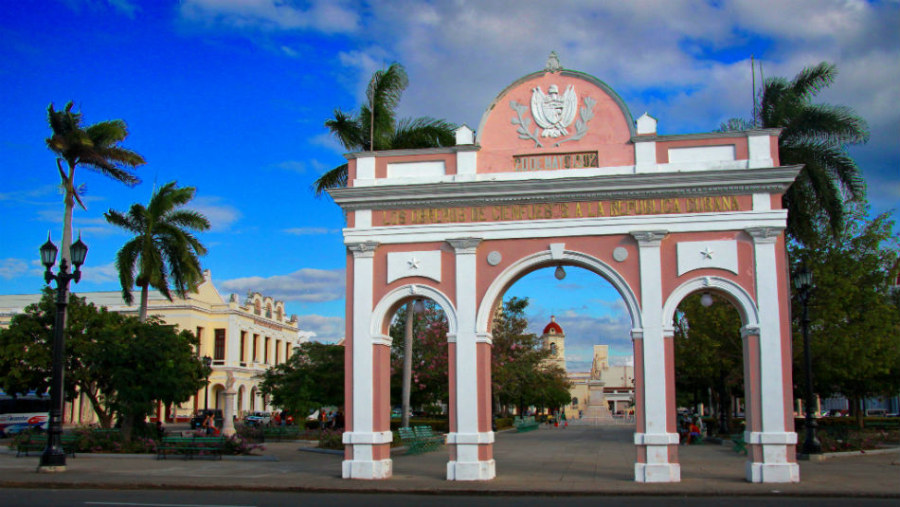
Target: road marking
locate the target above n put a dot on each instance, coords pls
(166, 504)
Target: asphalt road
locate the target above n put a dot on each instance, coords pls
(163, 498)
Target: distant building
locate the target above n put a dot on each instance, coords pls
(599, 394)
(242, 338)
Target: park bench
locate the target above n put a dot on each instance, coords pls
(523, 424)
(420, 440)
(884, 425)
(37, 443)
(280, 433)
(191, 446)
(739, 445)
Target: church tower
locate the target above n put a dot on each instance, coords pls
(554, 339)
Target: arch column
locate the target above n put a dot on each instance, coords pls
(767, 355)
(655, 437)
(471, 440)
(367, 450)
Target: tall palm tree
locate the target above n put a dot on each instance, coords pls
(163, 250)
(375, 126)
(817, 136)
(95, 147)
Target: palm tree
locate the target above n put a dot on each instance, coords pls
(381, 130)
(817, 136)
(163, 250)
(375, 127)
(95, 147)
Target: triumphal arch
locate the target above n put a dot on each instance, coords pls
(560, 173)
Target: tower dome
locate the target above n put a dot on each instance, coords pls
(553, 327)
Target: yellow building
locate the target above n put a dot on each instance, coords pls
(602, 394)
(242, 339)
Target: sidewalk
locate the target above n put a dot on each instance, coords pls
(572, 461)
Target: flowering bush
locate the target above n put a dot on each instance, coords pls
(331, 439)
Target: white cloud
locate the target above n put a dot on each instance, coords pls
(220, 216)
(12, 268)
(325, 329)
(310, 231)
(307, 285)
(328, 16)
(100, 274)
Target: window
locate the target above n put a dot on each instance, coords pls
(277, 351)
(243, 347)
(199, 340)
(278, 314)
(255, 347)
(256, 307)
(268, 311)
(219, 352)
(266, 351)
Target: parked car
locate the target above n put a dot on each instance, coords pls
(258, 419)
(200, 416)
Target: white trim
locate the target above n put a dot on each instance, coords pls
(366, 469)
(466, 367)
(762, 202)
(380, 313)
(376, 437)
(600, 226)
(365, 168)
(656, 439)
(363, 218)
(781, 438)
(773, 472)
(654, 356)
(737, 294)
(471, 470)
(570, 257)
(471, 438)
(657, 472)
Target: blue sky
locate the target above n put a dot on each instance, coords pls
(230, 96)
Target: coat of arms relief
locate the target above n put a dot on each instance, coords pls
(552, 112)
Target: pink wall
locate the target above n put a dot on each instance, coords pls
(608, 135)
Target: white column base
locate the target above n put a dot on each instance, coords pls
(471, 470)
(657, 472)
(370, 470)
(773, 472)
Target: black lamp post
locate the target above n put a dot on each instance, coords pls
(54, 457)
(207, 362)
(803, 283)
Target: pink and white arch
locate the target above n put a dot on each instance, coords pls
(659, 217)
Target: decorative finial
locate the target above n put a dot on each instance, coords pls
(553, 64)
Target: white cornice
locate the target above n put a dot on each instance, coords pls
(418, 151)
(558, 228)
(707, 135)
(634, 186)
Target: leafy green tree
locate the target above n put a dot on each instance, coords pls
(519, 373)
(375, 126)
(95, 147)
(855, 323)
(121, 365)
(708, 354)
(429, 385)
(163, 250)
(312, 378)
(816, 135)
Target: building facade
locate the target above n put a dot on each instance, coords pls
(242, 339)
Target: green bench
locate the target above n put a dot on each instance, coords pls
(523, 424)
(189, 447)
(280, 433)
(37, 443)
(739, 445)
(420, 439)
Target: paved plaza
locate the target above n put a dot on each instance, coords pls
(552, 461)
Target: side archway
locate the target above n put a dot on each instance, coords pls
(385, 308)
(739, 297)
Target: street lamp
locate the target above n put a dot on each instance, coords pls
(207, 362)
(54, 457)
(803, 283)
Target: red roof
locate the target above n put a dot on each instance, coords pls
(553, 327)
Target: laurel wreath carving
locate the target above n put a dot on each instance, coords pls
(524, 124)
(585, 114)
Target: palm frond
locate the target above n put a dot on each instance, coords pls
(335, 178)
(423, 132)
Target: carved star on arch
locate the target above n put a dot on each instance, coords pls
(707, 253)
(413, 263)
